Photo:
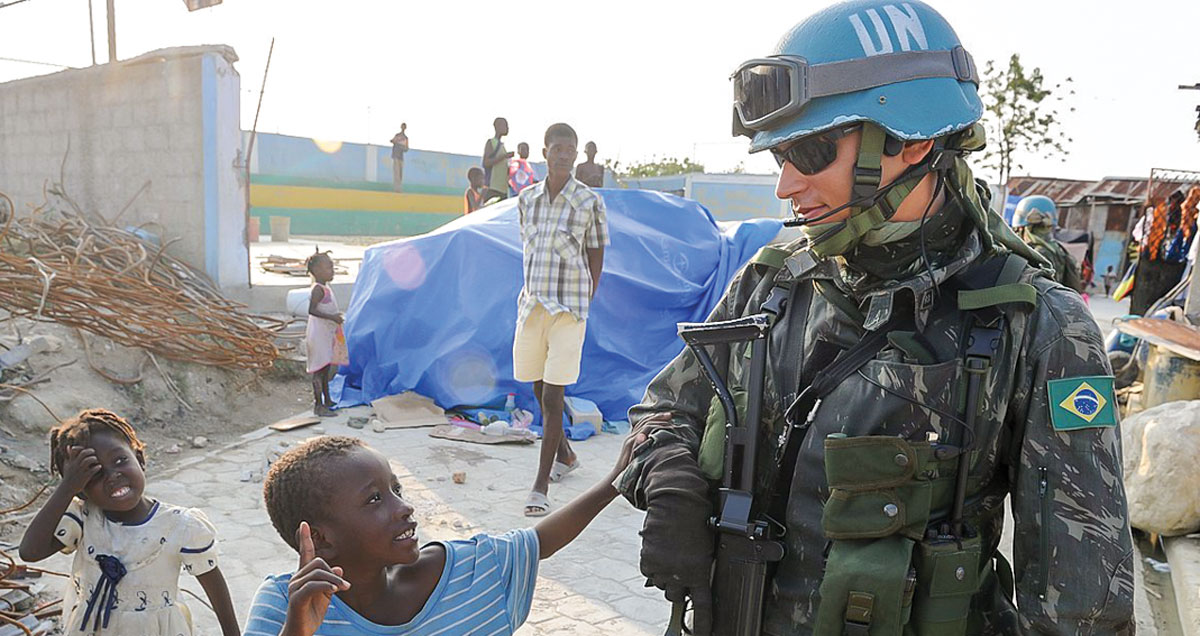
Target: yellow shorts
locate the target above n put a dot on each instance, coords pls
(548, 348)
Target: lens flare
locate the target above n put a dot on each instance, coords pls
(328, 147)
(405, 267)
(470, 377)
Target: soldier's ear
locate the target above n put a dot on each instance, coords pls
(914, 152)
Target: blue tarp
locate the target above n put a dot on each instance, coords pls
(435, 313)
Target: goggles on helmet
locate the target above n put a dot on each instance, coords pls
(769, 90)
(813, 154)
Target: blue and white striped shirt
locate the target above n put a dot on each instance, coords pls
(486, 588)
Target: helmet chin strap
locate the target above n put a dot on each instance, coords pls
(870, 205)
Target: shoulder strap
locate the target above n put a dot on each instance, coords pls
(770, 256)
(1006, 286)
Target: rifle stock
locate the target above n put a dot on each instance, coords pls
(745, 543)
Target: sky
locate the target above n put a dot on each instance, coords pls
(642, 79)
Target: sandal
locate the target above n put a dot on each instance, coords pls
(537, 505)
(560, 470)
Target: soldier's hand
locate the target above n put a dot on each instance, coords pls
(677, 544)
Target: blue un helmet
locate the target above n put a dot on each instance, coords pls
(897, 69)
(1035, 210)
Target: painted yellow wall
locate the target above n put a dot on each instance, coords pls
(304, 197)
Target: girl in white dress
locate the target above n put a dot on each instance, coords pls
(129, 548)
(324, 340)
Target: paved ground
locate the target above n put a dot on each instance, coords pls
(590, 587)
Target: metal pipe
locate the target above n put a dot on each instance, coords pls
(112, 32)
(92, 31)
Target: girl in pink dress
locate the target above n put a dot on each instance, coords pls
(323, 338)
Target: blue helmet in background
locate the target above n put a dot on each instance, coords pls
(897, 64)
(1035, 210)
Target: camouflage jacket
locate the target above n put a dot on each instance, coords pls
(1072, 554)
(1066, 270)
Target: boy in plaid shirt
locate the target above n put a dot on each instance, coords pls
(563, 232)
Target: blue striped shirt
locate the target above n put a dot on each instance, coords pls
(486, 588)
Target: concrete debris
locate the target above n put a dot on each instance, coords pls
(24, 351)
(199, 441)
(21, 462)
(1160, 446)
(1159, 566)
(173, 449)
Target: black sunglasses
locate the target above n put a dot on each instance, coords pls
(813, 154)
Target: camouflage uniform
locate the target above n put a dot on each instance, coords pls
(1066, 270)
(1072, 552)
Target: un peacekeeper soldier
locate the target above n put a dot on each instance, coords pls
(869, 107)
(1035, 219)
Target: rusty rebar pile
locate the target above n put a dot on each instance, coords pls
(57, 265)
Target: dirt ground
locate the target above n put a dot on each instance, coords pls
(221, 404)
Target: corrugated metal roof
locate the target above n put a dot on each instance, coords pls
(1069, 192)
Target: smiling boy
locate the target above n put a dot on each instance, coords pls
(337, 503)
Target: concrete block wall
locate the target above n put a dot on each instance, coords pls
(169, 118)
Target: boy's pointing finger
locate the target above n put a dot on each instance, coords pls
(304, 544)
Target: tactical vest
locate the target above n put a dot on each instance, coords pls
(893, 565)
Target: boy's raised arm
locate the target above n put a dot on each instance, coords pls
(563, 525)
(311, 588)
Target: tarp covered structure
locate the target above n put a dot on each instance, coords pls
(435, 313)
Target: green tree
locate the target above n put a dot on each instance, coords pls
(654, 167)
(1021, 116)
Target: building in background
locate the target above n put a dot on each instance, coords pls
(1107, 209)
(730, 197)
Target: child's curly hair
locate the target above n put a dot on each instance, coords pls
(317, 257)
(294, 486)
(78, 431)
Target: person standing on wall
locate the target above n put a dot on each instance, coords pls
(399, 147)
(590, 172)
(473, 197)
(520, 172)
(495, 162)
(564, 229)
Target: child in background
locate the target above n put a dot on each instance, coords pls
(128, 548)
(1110, 279)
(473, 197)
(323, 337)
(339, 505)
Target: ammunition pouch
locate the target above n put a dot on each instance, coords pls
(712, 443)
(883, 576)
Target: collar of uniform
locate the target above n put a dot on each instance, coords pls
(880, 302)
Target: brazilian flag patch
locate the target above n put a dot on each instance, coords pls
(1086, 402)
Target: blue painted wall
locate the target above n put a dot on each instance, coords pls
(301, 157)
(737, 201)
(728, 197)
(1109, 251)
(288, 156)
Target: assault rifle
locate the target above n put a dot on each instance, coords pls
(746, 544)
